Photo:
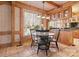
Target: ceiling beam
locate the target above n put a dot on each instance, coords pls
(53, 3)
(64, 7)
(29, 7)
(5, 2)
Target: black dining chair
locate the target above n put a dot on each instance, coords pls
(44, 42)
(33, 37)
(55, 38)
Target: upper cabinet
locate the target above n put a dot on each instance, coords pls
(63, 14)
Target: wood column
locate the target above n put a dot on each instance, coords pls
(21, 25)
(13, 24)
(70, 11)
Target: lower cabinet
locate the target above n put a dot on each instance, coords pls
(69, 37)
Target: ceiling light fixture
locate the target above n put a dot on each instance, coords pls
(39, 16)
(43, 14)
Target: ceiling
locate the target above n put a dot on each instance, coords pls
(75, 8)
(60, 2)
(47, 5)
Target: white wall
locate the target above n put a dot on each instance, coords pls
(5, 23)
(17, 19)
(5, 39)
(17, 37)
(5, 18)
(17, 23)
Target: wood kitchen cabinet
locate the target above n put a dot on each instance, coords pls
(68, 37)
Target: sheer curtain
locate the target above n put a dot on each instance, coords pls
(30, 21)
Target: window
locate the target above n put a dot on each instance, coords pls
(66, 13)
(55, 23)
(31, 21)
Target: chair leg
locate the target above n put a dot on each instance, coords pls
(57, 45)
(37, 51)
(46, 53)
(32, 43)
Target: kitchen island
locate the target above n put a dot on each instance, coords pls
(68, 36)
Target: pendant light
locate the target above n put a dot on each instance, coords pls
(39, 16)
(43, 16)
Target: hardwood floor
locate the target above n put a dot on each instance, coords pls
(27, 51)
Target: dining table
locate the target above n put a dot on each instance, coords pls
(38, 35)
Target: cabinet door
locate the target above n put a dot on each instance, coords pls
(66, 37)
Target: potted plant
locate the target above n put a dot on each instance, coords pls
(36, 27)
